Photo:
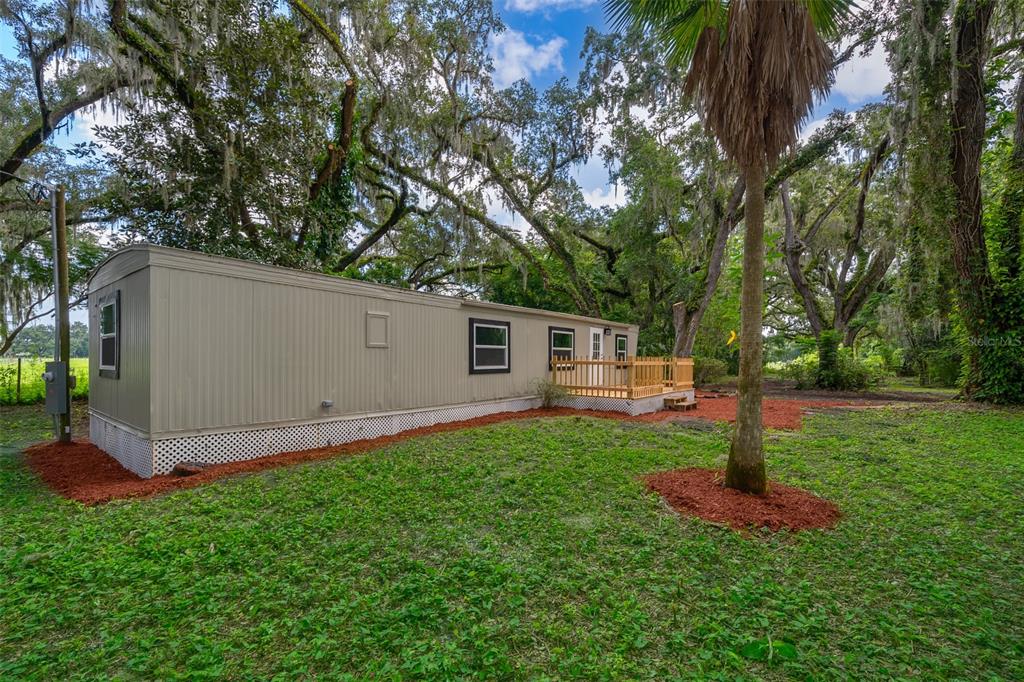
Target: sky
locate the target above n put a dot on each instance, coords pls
(542, 43)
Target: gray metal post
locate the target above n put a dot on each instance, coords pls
(61, 323)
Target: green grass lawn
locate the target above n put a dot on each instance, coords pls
(912, 385)
(33, 390)
(530, 549)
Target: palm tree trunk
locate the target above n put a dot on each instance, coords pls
(745, 470)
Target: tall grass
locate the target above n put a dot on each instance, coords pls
(33, 390)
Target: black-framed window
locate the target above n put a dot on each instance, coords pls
(490, 346)
(561, 343)
(110, 335)
(621, 346)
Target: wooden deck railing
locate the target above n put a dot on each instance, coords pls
(634, 377)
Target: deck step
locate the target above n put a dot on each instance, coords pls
(681, 404)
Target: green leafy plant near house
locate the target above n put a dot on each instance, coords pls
(550, 392)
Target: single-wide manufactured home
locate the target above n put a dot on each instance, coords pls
(208, 359)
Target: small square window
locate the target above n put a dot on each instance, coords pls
(621, 347)
(489, 346)
(110, 335)
(562, 343)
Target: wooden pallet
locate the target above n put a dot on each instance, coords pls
(680, 404)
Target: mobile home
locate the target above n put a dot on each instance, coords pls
(210, 359)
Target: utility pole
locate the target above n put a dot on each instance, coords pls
(61, 322)
(57, 376)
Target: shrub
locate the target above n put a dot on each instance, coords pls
(829, 372)
(549, 392)
(802, 370)
(708, 370)
(847, 373)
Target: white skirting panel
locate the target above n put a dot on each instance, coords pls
(134, 452)
(633, 407)
(150, 458)
(158, 456)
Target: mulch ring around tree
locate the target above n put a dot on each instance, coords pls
(81, 471)
(702, 493)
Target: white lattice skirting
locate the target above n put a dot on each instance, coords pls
(134, 452)
(158, 456)
(153, 457)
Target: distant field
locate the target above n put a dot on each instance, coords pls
(32, 387)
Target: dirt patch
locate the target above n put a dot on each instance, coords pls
(775, 413)
(701, 493)
(83, 472)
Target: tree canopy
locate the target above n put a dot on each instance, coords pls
(370, 140)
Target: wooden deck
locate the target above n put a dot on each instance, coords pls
(628, 379)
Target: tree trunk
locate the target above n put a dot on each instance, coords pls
(792, 254)
(970, 253)
(679, 323)
(686, 320)
(745, 471)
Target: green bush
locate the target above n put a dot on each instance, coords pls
(940, 367)
(846, 374)
(708, 370)
(829, 375)
(802, 370)
(549, 392)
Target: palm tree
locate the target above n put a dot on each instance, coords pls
(755, 69)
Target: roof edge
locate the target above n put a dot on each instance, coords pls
(182, 258)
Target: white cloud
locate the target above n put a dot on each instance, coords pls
(863, 77)
(611, 196)
(502, 214)
(811, 128)
(515, 58)
(556, 5)
(103, 113)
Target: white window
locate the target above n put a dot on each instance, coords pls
(109, 329)
(489, 345)
(563, 343)
(621, 347)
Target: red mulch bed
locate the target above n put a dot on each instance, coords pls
(701, 493)
(83, 472)
(776, 413)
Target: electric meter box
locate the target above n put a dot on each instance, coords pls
(56, 377)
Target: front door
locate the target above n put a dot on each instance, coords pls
(596, 353)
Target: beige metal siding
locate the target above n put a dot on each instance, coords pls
(202, 350)
(125, 399)
(310, 346)
(233, 344)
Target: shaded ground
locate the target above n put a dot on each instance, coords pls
(82, 472)
(532, 549)
(701, 493)
(779, 388)
(24, 424)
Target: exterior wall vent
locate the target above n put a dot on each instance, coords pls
(378, 329)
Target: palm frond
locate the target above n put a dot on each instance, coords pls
(828, 16)
(756, 67)
(676, 24)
